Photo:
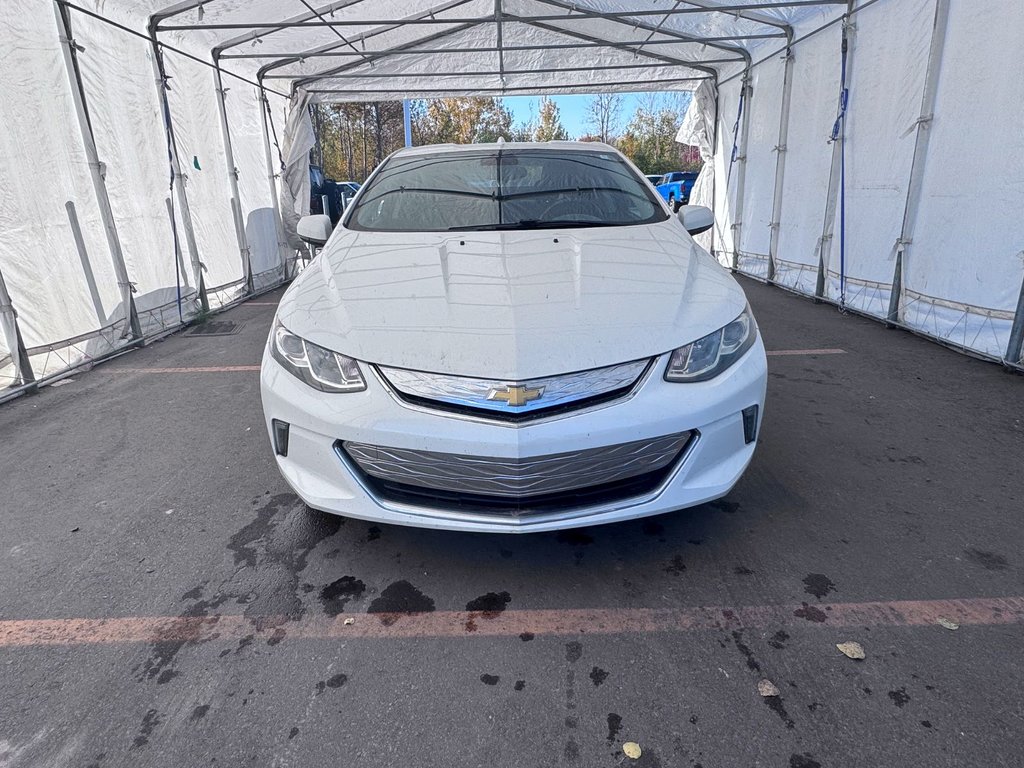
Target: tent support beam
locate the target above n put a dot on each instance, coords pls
(780, 162)
(324, 50)
(625, 19)
(749, 15)
(160, 75)
(498, 34)
(377, 55)
(97, 173)
(747, 92)
(12, 338)
(711, 72)
(177, 8)
(286, 24)
(1015, 347)
(513, 91)
(923, 135)
(305, 81)
(236, 197)
(495, 72)
(283, 250)
(835, 176)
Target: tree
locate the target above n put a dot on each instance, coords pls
(649, 138)
(549, 123)
(352, 139)
(494, 122)
(603, 113)
(461, 120)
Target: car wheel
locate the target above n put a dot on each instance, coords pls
(673, 204)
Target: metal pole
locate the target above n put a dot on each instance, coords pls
(178, 178)
(178, 255)
(916, 182)
(83, 255)
(714, 170)
(236, 198)
(780, 162)
(407, 119)
(97, 172)
(1015, 347)
(741, 171)
(282, 243)
(836, 173)
(12, 337)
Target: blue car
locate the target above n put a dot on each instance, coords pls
(675, 187)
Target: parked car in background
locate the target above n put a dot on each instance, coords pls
(348, 191)
(338, 194)
(675, 187)
(654, 178)
(511, 338)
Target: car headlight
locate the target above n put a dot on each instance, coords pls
(707, 357)
(320, 368)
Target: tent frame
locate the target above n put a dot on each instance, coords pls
(652, 46)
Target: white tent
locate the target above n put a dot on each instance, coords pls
(867, 152)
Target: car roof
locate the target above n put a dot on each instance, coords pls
(561, 146)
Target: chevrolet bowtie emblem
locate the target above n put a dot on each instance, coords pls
(515, 395)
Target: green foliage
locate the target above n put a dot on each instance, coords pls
(463, 120)
(649, 138)
(352, 139)
(549, 122)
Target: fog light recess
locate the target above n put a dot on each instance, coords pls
(280, 429)
(750, 424)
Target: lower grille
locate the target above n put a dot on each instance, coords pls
(517, 486)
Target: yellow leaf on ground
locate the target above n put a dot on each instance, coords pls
(632, 749)
(851, 649)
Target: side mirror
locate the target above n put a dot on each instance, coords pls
(315, 230)
(696, 218)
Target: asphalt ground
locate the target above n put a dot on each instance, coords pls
(166, 601)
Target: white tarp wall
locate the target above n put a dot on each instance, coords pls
(111, 235)
(66, 299)
(64, 286)
(960, 268)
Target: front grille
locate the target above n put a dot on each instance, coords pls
(515, 487)
(483, 397)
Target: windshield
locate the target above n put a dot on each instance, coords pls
(504, 189)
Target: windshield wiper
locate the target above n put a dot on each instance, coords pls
(536, 224)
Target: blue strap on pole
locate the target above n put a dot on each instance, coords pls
(736, 132)
(839, 134)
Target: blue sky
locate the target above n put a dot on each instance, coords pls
(572, 108)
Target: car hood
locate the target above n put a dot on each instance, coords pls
(510, 304)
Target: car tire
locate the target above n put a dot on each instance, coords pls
(673, 204)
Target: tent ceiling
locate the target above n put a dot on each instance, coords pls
(378, 49)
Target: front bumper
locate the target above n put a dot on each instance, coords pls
(712, 462)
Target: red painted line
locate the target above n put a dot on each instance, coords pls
(793, 352)
(198, 369)
(599, 621)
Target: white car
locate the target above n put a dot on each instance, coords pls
(512, 338)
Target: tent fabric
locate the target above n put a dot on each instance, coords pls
(698, 129)
(910, 214)
(295, 183)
